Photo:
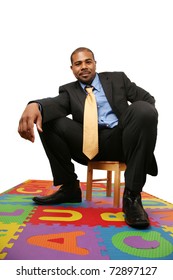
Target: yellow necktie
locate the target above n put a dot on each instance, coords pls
(90, 125)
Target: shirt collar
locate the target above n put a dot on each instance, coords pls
(95, 83)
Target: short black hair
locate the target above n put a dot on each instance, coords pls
(81, 49)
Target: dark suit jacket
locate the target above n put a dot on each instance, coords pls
(119, 91)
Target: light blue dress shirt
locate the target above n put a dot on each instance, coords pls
(106, 116)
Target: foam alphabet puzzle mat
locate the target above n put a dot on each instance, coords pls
(80, 231)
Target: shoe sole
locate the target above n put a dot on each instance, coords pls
(57, 203)
(139, 226)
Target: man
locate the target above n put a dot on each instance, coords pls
(127, 131)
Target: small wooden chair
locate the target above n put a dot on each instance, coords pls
(109, 166)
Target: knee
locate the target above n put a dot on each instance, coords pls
(63, 127)
(144, 112)
(57, 126)
(60, 124)
(140, 114)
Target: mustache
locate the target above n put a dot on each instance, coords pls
(85, 72)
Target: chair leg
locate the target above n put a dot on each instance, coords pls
(109, 183)
(116, 199)
(89, 183)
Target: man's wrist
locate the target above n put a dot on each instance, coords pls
(39, 105)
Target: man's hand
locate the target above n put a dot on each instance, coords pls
(30, 116)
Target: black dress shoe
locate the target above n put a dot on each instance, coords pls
(135, 215)
(71, 193)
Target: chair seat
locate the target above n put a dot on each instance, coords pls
(109, 166)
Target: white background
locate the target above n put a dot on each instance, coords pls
(36, 41)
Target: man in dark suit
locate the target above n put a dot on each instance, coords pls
(127, 127)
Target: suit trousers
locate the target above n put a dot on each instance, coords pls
(131, 141)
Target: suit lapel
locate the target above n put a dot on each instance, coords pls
(80, 94)
(104, 79)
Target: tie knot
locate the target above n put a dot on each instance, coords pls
(89, 89)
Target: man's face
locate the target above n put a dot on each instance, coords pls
(84, 66)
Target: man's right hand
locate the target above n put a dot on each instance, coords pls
(30, 116)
